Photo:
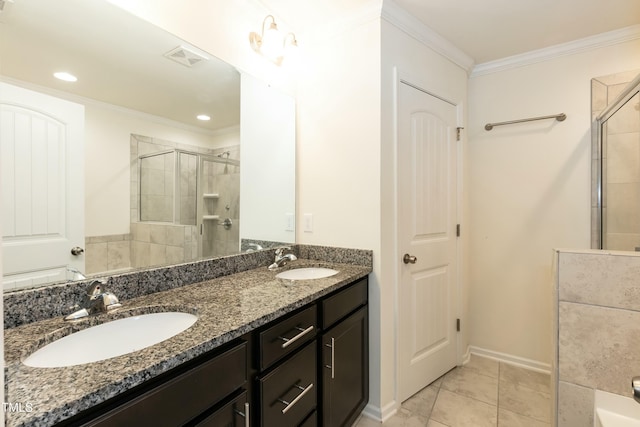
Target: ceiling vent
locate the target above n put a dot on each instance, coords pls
(184, 56)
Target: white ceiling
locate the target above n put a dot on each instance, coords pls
(493, 29)
(118, 59)
(486, 30)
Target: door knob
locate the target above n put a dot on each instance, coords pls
(77, 250)
(409, 259)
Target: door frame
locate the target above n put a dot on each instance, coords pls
(401, 76)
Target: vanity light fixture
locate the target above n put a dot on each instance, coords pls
(64, 76)
(203, 117)
(270, 43)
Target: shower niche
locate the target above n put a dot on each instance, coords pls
(187, 202)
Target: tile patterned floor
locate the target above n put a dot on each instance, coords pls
(483, 392)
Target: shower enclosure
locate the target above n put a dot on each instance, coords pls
(191, 201)
(616, 172)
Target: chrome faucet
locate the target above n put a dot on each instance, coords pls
(282, 258)
(96, 300)
(76, 274)
(635, 385)
(254, 247)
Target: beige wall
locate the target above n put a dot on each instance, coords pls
(529, 189)
(338, 168)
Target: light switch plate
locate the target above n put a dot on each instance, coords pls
(290, 222)
(308, 223)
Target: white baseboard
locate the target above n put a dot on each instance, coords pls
(533, 365)
(380, 414)
(466, 357)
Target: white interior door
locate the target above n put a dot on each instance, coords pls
(42, 176)
(427, 202)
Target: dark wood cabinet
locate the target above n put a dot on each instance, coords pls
(178, 397)
(344, 355)
(341, 362)
(236, 413)
(308, 368)
(345, 370)
(288, 393)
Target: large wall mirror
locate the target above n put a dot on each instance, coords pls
(616, 162)
(116, 171)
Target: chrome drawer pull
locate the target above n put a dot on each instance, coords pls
(333, 358)
(289, 405)
(289, 341)
(247, 423)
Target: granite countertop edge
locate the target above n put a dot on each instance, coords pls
(228, 307)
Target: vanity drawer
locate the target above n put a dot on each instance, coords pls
(287, 335)
(185, 396)
(344, 302)
(233, 413)
(288, 393)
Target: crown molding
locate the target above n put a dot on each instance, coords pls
(570, 48)
(403, 20)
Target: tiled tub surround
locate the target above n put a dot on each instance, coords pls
(227, 307)
(107, 253)
(596, 318)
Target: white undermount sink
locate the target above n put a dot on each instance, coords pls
(307, 273)
(111, 339)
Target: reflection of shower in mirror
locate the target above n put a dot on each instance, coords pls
(192, 189)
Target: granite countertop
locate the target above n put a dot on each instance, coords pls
(227, 307)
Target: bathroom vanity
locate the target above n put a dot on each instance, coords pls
(264, 352)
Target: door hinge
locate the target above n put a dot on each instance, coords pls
(458, 325)
(457, 230)
(458, 129)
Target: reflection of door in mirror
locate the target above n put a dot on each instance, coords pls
(42, 196)
(616, 162)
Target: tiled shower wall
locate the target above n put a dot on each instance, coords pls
(161, 244)
(597, 338)
(222, 179)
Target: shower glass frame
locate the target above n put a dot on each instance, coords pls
(599, 166)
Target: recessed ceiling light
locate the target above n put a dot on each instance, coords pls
(67, 77)
(203, 117)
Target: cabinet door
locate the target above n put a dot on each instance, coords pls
(345, 370)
